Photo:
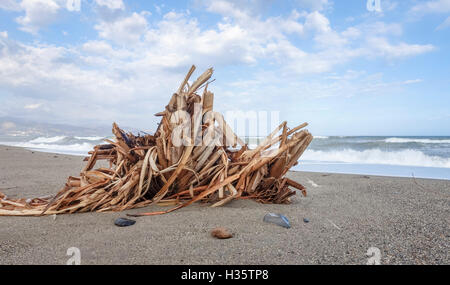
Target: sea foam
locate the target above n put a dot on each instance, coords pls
(406, 157)
(47, 139)
(413, 140)
(89, 138)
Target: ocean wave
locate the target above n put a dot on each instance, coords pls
(320, 137)
(47, 139)
(89, 138)
(406, 157)
(78, 148)
(412, 140)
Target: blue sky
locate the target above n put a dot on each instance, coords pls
(343, 67)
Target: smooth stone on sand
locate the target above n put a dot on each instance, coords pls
(124, 222)
(221, 233)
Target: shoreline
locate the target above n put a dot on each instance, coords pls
(347, 215)
(374, 169)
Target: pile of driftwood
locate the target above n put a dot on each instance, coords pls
(200, 163)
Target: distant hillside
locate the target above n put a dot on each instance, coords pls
(25, 128)
(15, 127)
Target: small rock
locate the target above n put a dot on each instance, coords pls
(123, 222)
(221, 233)
(305, 220)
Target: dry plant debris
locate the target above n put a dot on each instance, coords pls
(171, 168)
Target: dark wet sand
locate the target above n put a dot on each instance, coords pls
(407, 219)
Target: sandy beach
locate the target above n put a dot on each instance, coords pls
(406, 219)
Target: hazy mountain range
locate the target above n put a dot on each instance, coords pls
(16, 127)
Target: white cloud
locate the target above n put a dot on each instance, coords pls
(226, 9)
(317, 22)
(438, 6)
(51, 71)
(310, 92)
(233, 7)
(382, 28)
(433, 7)
(111, 4)
(124, 30)
(412, 81)
(10, 5)
(32, 106)
(38, 14)
(351, 33)
(381, 47)
(158, 8)
(105, 83)
(178, 40)
(97, 47)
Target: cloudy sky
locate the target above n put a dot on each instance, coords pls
(346, 67)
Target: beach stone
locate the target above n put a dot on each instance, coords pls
(221, 233)
(305, 220)
(123, 222)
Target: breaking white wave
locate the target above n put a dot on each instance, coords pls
(320, 137)
(413, 140)
(89, 138)
(77, 149)
(47, 139)
(406, 157)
